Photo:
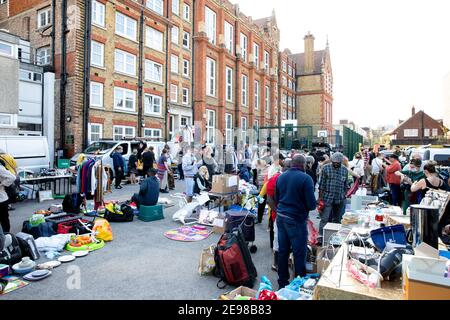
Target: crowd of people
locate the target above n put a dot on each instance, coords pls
(290, 185)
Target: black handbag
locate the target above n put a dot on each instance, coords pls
(126, 216)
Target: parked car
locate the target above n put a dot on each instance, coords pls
(30, 152)
(104, 148)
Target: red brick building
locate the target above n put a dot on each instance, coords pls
(419, 129)
(146, 68)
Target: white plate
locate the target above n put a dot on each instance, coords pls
(29, 277)
(66, 258)
(52, 264)
(79, 254)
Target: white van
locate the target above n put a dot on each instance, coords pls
(31, 153)
(439, 155)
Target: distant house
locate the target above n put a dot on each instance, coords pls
(419, 129)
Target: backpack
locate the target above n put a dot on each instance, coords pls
(46, 229)
(72, 203)
(234, 265)
(126, 216)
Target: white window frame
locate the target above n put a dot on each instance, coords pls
(244, 46)
(256, 55)
(102, 53)
(149, 106)
(410, 133)
(434, 132)
(175, 35)
(228, 129)
(229, 36)
(150, 71)
(187, 121)
(244, 91)
(98, 13)
(47, 56)
(123, 135)
(123, 68)
(100, 133)
(185, 96)
(211, 77)
(156, 6)
(125, 92)
(11, 54)
(229, 84)
(12, 122)
(266, 60)
(176, 7)
(173, 93)
(267, 99)
(211, 24)
(150, 133)
(48, 18)
(174, 64)
(210, 128)
(100, 94)
(154, 39)
(186, 12)
(186, 68)
(257, 93)
(187, 38)
(128, 22)
(244, 128)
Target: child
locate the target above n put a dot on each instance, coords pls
(132, 165)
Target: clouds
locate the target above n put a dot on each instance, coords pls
(386, 55)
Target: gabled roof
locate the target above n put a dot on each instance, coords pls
(417, 115)
(299, 59)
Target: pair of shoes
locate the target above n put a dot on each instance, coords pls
(163, 191)
(119, 187)
(275, 268)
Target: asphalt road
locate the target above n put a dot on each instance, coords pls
(140, 263)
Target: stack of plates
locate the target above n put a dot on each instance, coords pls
(37, 275)
(66, 258)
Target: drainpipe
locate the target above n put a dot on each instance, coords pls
(42, 103)
(193, 60)
(166, 131)
(87, 71)
(236, 82)
(63, 74)
(140, 75)
(53, 32)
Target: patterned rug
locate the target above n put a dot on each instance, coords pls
(188, 233)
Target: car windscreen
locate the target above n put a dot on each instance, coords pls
(100, 147)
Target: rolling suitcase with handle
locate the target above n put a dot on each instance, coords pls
(28, 246)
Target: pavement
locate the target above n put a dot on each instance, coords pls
(139, 264)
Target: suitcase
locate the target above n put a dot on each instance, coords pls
(28, 246)
(11, 253)
(74, 226)
(236, 218)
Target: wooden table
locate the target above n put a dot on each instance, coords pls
(329, 288)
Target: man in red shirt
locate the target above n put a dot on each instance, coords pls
(270, 190)
(394, 180)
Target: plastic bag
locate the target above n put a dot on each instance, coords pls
(264, 285)
(102, 230)
(312, 233)
(207, 263)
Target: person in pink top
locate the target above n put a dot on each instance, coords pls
(394, 181)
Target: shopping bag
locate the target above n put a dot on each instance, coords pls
(140, 165)
(103, 230)
(207, 263)
(312, 233)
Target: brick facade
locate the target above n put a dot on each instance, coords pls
(175, 111)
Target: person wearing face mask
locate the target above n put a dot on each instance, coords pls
(332, 190)
(408, 177)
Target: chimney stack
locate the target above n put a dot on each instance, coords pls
(413, 110)
(309, 53)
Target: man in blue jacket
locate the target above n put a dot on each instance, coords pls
(119, 166)
(149, 191)
(294, 195)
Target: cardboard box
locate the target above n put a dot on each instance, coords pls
(225, 183)
(219, 226)
(417, 290)
(243, 291)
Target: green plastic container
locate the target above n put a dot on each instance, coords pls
(148, 214)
